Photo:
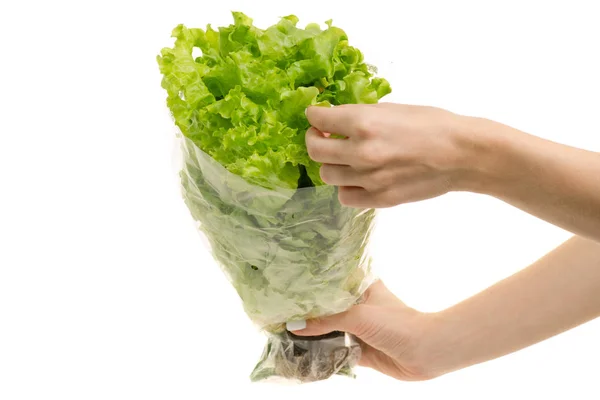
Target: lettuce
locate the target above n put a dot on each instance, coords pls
(242, 100)
(289, 248)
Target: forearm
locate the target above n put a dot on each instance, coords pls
(557, 293)
(554, 182)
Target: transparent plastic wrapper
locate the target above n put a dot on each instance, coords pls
(289, 254)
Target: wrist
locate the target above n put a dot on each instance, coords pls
(444, 342)
(436, 352)
(488, 155)
(462, 336)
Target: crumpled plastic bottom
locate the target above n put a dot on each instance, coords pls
(307, 359)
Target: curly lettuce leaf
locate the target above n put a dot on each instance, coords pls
(242, 99)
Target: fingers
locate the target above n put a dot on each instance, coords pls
(345, 120)
(325, 150)
(341, 175)
(322, 326)
(353, 321)
(358, 197)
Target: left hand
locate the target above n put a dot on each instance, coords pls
(392, 335)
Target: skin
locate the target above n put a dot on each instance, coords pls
(393, 154)
(396, 154)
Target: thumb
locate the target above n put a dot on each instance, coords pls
(349, 321)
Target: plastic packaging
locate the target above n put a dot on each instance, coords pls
(289, 254)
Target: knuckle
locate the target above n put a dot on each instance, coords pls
(367, 154)
(386, 154)
(367, 122)
(364, 126)
(382, 179)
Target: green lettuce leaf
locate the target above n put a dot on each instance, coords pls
(242, 100)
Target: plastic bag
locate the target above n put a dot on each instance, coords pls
(290, 255)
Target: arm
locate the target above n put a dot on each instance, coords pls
(395, 154)
(558, 292)
(398, 154)
(555, 294)
(554, 182)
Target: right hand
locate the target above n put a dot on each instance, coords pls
(392, 154)
(390, 333)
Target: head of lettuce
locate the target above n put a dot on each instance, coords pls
(237, 95)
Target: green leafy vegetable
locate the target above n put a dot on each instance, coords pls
(242, 101)
(285, 242)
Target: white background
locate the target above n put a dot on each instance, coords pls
(106, 290)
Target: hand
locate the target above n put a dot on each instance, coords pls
(390, 154)
(393, 154)
(515, 313)
(389, 332)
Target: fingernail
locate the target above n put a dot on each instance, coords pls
(295, 325)
(306, 112)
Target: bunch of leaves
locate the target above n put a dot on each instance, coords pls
(242, 99)
(289, 254)
(289, 248)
